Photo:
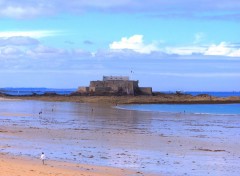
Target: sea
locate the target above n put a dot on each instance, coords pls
(36, 91)
(211, 109)
(62, 91)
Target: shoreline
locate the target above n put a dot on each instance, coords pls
(114, 100)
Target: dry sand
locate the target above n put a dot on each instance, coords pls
(19, 166)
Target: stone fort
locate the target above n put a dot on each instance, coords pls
(115, 85)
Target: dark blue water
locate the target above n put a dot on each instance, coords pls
(38, 91)
(221, 109)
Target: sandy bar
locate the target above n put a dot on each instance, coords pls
(113, 100)
(21, 166)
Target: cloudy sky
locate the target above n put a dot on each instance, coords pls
(170, 45)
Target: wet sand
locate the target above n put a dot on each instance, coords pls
(140, 143)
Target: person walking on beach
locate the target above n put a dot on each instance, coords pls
(43, 157)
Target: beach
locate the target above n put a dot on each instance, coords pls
(22, 166)
(100, 139)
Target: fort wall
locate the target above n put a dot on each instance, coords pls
(120, 85)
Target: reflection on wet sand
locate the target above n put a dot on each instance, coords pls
(150, 142)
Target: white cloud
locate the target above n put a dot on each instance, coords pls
(33, 34)
(235, 53)
(9, 51)
(187, 50)
(134, 43)
(42, 51)
(20, 12)
(222, 49)
(46, 52)
(18, 41)
(198, 75)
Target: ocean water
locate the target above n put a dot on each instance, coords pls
(218, 109)
(40, 91)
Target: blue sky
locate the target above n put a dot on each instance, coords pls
(169, 45)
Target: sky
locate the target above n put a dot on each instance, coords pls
(168, 45)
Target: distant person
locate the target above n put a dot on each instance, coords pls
(43, 157)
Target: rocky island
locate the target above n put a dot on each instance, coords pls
(121, 90)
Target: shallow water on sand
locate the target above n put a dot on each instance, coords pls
(210, 109)
(161, 143)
